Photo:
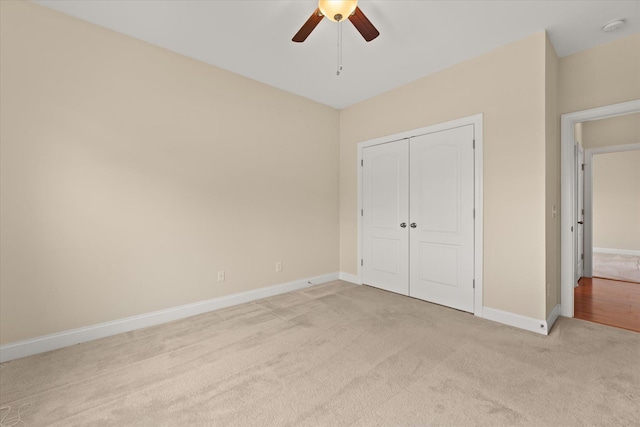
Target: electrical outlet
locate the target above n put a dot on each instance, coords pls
(278, 266)
(221, 276)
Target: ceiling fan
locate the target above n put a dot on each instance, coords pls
(337, 10)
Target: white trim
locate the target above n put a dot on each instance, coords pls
(479, 210)
(613, 149)
(351, 278)
(359, 213)
(588, 215)
(477, 121)
(89, 333)
(567, 141)
(616, 251)
(516, 320)
(579, 150)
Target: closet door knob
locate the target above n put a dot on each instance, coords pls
(413, 225)
(403, 225)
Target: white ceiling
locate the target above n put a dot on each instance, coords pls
(417, 38)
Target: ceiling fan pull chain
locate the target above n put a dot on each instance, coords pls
(340, 26)
(338, 52)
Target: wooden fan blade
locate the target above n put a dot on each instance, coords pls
(363, 25)
(308, 26)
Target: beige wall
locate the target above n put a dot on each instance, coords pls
(508, 86)
(130, 175)
(616, 200)
(621, 130)
(552, 179)
(616, 182)
(600, 76)
(578, 133)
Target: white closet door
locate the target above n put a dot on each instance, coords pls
(385, 201)
(441, 217)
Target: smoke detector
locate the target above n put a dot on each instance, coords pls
(614, 25)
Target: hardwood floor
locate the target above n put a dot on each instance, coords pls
(610, 302)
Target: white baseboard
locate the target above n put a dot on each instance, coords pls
(516, 320)
(351, 278)
(616, 251)
(89, 333)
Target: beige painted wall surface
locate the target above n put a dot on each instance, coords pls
(621, 130)
(578, 133)
(130, 175)
(600, 76)
(508, 86)
(616, 200)
(552, 178)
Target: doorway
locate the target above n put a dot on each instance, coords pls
(569, 191)
(609, 291)
(612, 187)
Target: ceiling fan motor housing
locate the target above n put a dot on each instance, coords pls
(337, 10)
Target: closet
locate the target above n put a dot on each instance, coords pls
(418, 217)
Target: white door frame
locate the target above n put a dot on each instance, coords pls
(568, 191)
(580, 150)
(588, 198)
(475, 120)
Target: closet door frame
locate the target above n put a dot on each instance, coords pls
(475, 120)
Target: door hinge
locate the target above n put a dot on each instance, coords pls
(582, 211)
(581, 256)
(361, 262)
(474, 144)
(474, 283)
(361, 212)
(583, 166)
(361, 162)
(474, 213)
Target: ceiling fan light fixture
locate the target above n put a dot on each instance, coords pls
(337, 10)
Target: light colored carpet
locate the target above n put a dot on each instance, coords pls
(618, 267)
(334, 355)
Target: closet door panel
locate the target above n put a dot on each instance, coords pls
(385, 202)
(441, 217)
